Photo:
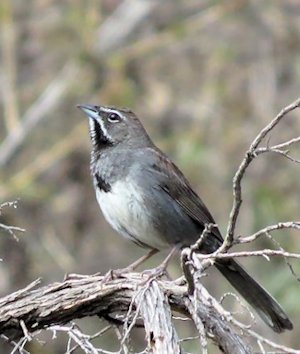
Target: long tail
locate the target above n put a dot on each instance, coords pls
(263, 303)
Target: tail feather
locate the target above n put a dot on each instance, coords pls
(264, 304)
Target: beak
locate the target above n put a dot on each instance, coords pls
(90, 110)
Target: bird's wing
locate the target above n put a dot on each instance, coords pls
(173, 182)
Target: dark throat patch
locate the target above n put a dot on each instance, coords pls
(102, 184)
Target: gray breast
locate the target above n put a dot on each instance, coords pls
(125, 208)
(135, 205)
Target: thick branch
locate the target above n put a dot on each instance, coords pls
(73, 298)
(206, 311)
(62, 302)
(155, 310)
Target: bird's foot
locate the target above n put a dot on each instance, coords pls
(117, 273)
(111, 275)
(159, 271)
(154, 272)
(146, 274)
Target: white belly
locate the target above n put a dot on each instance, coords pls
(124, 208)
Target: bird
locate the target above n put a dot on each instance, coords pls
(147, 199)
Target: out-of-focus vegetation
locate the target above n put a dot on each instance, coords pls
(203, 76)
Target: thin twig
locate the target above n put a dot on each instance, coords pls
(96, 335)
(270, 343)
(249, 156)
(284, 154)
(268, 229)
(11, 230)
(200, 327)
(261, 253)
(278, 146)
(13, 344)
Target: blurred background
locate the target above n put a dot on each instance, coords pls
(203, 76)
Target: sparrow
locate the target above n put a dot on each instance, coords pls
(146, 198)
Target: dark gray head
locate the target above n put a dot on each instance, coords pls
(110, 126)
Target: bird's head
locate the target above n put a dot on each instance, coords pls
(110, 126)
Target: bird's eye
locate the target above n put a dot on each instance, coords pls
(113, 118)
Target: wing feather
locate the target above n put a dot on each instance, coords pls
(173, 182)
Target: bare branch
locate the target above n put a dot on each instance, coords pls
(56, 304)
(96, 335)
(10, 229)
(199, 302)
(205, 311)
(13, 204)
(155, 310)
(261, 253)
(249, 156)
(268, 229)
(14, 345)
(268, 342)
(284, 154)
(278, 146)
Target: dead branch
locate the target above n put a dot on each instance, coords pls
(133, 297)
(280, 226)
(29, 310)
(156, 313)
(281, 146)
(9, 228)
(209, 325)
(249, 157)
(266, 253)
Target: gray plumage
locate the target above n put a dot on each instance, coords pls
(147, 199)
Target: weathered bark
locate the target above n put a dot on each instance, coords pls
(35, 308)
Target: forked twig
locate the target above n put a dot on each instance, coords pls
(249, 157)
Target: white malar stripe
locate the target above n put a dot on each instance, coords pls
(93, 128)
(103, 128)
